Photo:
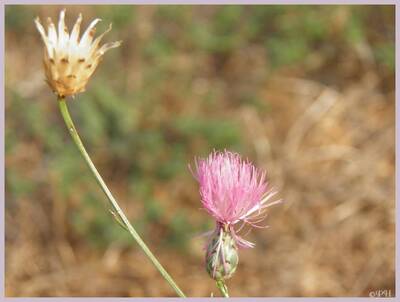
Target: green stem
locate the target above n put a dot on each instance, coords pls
(74, 134)
(223, 288)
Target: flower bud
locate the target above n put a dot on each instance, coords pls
(222, 255)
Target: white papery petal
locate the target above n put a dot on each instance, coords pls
(42, 32)
(97, 41)
(87, 37)
(108, 46)
(75, 30)
(52, 34)
(61, 25)
(73, 40)
(40, 28)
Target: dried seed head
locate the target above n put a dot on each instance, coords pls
(222, 255)
(69, 62)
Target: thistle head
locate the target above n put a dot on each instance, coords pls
(232, 190)
(69, 62)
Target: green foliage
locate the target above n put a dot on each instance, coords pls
(18, 185)
(17, 15)
(94, 222)
(217, 133)
(160, 48)
(180, 229)
(120, 15)
(386, 55)
(287, 51)
(354, 30)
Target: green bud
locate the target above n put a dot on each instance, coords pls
(222, 255)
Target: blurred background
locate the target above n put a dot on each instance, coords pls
(305, 92)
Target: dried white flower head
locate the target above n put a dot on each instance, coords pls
(69, 62)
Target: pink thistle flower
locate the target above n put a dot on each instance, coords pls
(233, 191)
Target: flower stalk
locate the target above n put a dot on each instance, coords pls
(117, 211)
(223, 288)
